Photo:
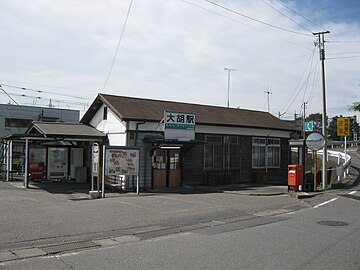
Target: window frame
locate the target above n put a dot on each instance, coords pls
(270, 145)
(218, 154)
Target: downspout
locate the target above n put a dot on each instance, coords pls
(137, 130)
(135, 144)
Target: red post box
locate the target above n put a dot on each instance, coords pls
(295, 177)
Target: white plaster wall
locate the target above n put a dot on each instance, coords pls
(113, 126)
(153, 126)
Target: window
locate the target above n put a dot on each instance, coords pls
(105, 113)
(265, 153)
(222, 152)
(273, 153)
(18, 123)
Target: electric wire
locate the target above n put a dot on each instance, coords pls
(332, 53)
(236, 21)
(118, 46)
(343, 41)
(279, 11)
(290, 100)
(2, 89)
(343, 57)
(47, 85)
(299, 14)
(315, 80)
(256, 20)
(308, 78)
(48, 98)
(42, 91)
(65, 102)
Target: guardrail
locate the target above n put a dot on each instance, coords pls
(342, 169)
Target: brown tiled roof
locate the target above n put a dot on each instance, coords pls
(129, 108)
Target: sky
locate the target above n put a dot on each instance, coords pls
(177, 50)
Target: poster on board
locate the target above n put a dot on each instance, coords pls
(122, 161)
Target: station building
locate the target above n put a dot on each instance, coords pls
(190, 144)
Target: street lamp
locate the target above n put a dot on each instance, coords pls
(228, 84)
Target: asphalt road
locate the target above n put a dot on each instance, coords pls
(180, 231)
(326, 236)
(36, 218)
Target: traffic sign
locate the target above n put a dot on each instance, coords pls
(315, 141)
(309, 126)
(343, 126)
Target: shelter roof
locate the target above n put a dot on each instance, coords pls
(64, 130)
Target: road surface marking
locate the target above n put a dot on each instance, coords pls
(353, 192)
(322, 204)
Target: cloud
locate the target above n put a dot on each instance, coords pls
(175, 50)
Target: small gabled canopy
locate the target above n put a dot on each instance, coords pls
(61, 130)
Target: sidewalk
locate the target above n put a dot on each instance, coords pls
(243, 189)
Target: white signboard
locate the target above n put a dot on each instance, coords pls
(122, 162)
(179, 125)
(95, 157)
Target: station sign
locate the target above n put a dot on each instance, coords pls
(176, 120)
(179, 125)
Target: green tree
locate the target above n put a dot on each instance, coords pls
(332, 129)
(317, 119)
(355, 106)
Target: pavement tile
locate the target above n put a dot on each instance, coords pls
(106, 242)
(7, 256)
(29, 252)
(126, 239)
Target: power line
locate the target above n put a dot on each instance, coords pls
(2, 89)
(42, 91)
(313, 84)
(52, 99)
(343, 57)
(47, 85)
(342, 41)
(287, 105)
(343, 52)
(300, 14)
(118, 46)
(256, 20)
(236, 21)
(66, 102)
(286, 16)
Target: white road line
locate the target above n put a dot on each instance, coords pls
(353, 192)
(322, 204)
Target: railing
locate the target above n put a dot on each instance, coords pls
(343, 167)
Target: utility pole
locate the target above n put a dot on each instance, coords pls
(321, 44)
(304, 120)
(228, 84)
(268, 93)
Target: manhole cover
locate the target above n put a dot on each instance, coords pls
(333, 223)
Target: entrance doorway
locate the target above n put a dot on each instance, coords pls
(166, 168)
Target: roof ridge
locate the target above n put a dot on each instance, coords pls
(63, 123)
(186, 103)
